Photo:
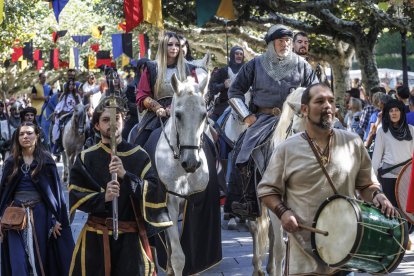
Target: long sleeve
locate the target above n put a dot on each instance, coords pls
(144, 89)
(378, 150)
(84, 193)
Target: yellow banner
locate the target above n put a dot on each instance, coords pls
(125, 60)
(1, 10)
(152, 10)
(226, 10)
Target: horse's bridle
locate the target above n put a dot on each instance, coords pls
(178, 145)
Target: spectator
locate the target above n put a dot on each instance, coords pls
(394, 146)
(403, 93)
(368, 110)
(410, 115)
(353, 116)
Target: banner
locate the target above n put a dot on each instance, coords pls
(81, 39)
(28, 50)
(1, 10)
(74, 58)
(58, 6)
(58, 34)
(54, 59)
(133, 12)
(153, 12)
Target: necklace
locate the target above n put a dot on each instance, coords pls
(324, 154)
(25, 168)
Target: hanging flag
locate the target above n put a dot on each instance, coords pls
(95, 47)
(226, 10)
(103, 58)
(54, 59)
(121, 44)
(152, 10)
(143, 45)
(28, 50)
(116, 45)
(74, 58)
(97, 31)
(39, 65)
(205, 10)
(90, 61)
(37, 55)
(127, 44)
(133, 11)
(58, 34)
(1, 10)
(58, 6)
(81, 39)
(17, 53)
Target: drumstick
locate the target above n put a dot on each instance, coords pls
(315, 230)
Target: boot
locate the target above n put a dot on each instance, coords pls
(247, 207)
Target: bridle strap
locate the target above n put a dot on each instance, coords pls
(176, 155)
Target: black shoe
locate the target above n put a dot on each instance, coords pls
(248, 210)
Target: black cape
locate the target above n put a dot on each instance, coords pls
(88, 179)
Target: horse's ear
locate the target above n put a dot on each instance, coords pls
(203, 85)
(176, 84)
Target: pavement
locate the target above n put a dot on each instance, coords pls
(237, 251)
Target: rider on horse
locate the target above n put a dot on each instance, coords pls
(67, 101)
(271, 77)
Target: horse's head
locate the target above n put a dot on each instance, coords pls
(79, 118)
(188, 115)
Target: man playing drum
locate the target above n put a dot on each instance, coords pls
(294, 184)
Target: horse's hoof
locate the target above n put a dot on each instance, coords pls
(232, 224)
(258, 273)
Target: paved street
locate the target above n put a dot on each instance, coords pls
(237, 252)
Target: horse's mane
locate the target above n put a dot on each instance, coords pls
(285, 120)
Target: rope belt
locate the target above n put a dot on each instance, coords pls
(105, 225)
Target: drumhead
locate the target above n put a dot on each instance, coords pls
(401, 190)
(339, 217)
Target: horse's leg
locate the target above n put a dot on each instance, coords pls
(258, 229)
(279, 246)
(271, 261)
(177, 257)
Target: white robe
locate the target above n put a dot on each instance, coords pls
(295, 175)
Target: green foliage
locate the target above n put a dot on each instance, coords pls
(390, 43)
(392, 62)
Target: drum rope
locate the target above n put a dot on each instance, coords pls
(370, 226)
(366, 258)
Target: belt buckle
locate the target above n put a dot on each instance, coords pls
(276, 111)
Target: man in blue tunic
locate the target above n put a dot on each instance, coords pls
(270, 76)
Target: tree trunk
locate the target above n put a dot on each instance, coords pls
(368, 65)
(342, 83)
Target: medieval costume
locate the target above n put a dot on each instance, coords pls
(295, 175)
(271, 78)
(96, 253)
(217, 87)
(41, 90)
(44, 195)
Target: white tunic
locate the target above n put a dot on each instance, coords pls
(295, 175)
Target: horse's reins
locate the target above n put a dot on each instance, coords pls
(178, 145)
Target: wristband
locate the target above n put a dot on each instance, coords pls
(376, 192)
(280, 209)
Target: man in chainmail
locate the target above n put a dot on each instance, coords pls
(271, 77)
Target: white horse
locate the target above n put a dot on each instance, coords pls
(73, 138)
(182, 159)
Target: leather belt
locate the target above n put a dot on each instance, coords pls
(105, 225)
(274, 111)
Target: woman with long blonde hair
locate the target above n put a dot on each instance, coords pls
(154, 90)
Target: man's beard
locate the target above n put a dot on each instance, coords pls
(107, 135)
(324, 121)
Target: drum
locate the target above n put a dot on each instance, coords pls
(401, 190)
(360, 236)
